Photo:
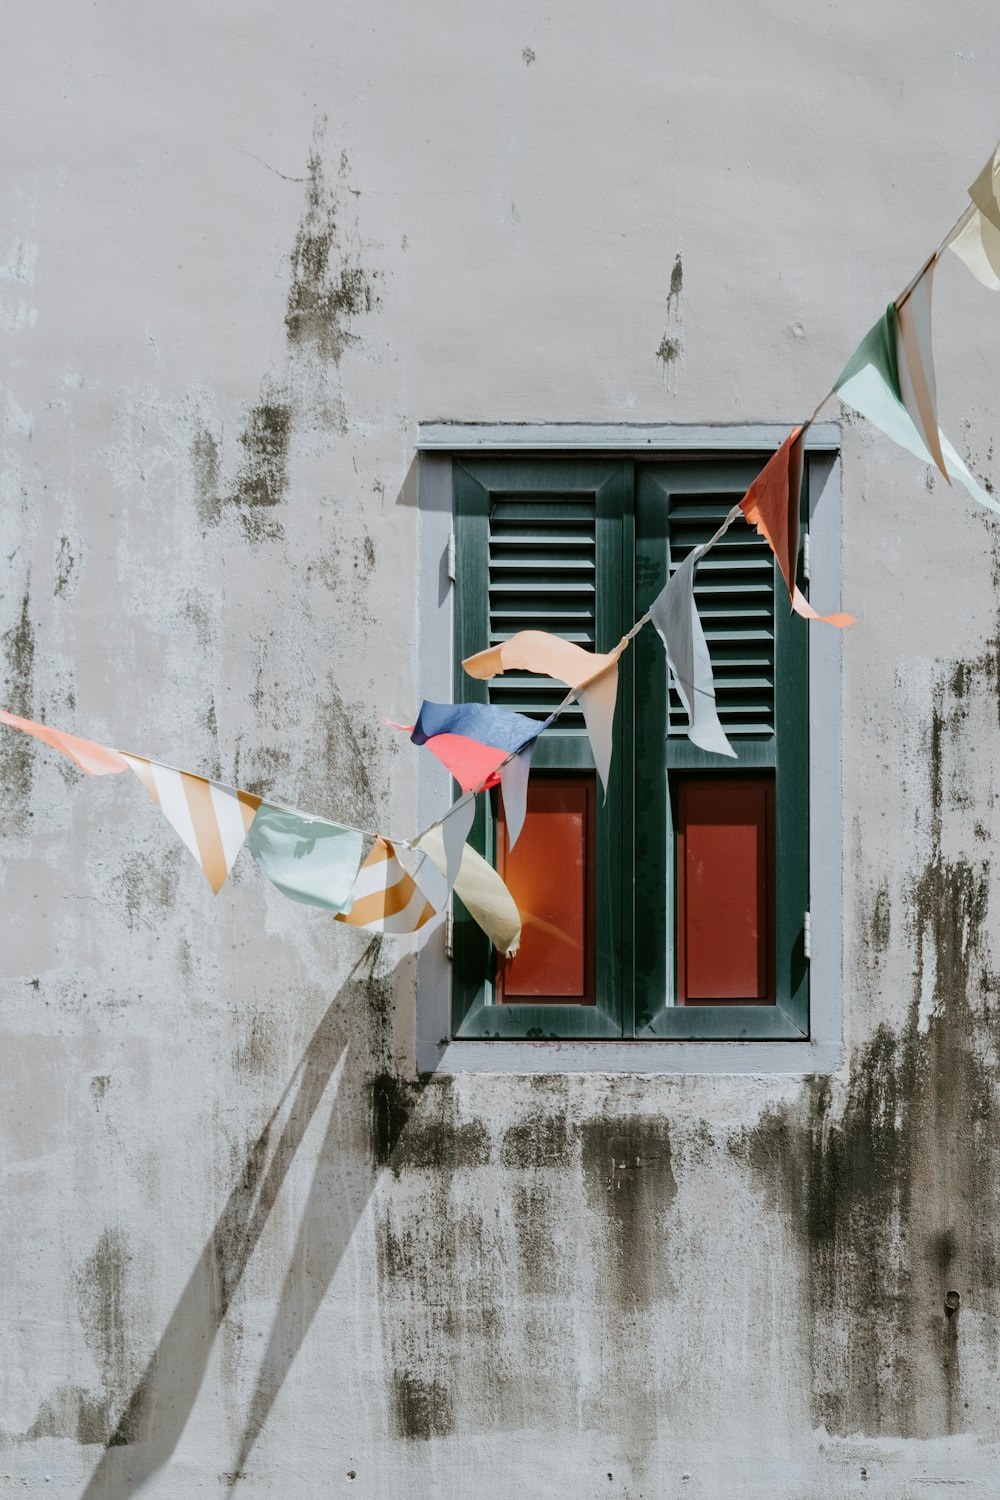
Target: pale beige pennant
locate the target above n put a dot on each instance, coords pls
(915, 362)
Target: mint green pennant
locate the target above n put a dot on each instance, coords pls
(308, 859)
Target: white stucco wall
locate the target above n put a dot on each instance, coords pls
(246, 249)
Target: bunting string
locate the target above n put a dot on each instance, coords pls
(404, 886)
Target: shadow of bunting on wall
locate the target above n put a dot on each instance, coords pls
(157, 1412)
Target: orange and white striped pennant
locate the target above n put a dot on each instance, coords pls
(386, 898)
(212, 819)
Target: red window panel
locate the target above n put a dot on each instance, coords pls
(551, 874)
(725, 890)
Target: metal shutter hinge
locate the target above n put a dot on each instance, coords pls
(451, 556)
(449, 935)
(806, 571)
(807, 936)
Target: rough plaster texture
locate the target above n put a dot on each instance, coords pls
(246, 248)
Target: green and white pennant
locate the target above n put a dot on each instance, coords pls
(890, 380)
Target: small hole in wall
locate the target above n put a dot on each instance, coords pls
(352, 1474)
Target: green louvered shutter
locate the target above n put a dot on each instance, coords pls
(758, 650)
(735, 594)
(540, 547)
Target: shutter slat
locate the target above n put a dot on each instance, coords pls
(579, 636)
(701, 508)
(714, 564)
(555, 536)
(540, 561)
(753, 612)
(530, 583)
(734, 591)
(738, 540)
(725, 662)
(508, 609)
(542, 510)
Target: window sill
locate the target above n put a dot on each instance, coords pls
(820, 1055)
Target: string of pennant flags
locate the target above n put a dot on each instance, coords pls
(403, 887)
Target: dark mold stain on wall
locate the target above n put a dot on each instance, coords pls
(474, 1268)
(880, 926)
(676, 286)
(102, 1298)
(328, 288)
(669, 349)
(671, 346)
(206, 466)
(148, 886)
(542, 1141)
(439, 1268)
(537, 1154)
(72, 1412)
(391, 1103)
(407, 1139)
(262, 770)
(66, 569)
(345, 757)
(262, 478)
(17, 752)
(421, 1408)
(891, 1186)
(630, 1181)
(209, 719)
(258, 1049)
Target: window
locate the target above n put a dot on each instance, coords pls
(677, 908)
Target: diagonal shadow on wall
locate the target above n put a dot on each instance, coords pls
(158, 1409)
(319, 1245)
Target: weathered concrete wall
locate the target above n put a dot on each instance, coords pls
(246, 248)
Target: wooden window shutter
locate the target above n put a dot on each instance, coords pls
(720, 900)
(543, 576)
(724, 839)
(545, 550)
